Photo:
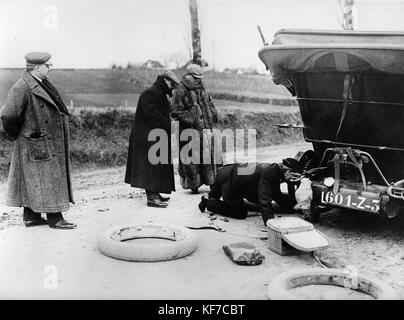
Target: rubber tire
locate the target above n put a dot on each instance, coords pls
(110, 242)
(309, 160)
(279, 288)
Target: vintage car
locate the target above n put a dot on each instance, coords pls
(350, 89)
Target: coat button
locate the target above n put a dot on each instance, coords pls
(41, 106)
(53, 155)
(46, 121)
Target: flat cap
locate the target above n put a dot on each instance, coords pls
(34, 58)
(194, 70)
(168, 74)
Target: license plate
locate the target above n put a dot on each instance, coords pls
(350, 200)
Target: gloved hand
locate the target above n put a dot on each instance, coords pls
(304, 195)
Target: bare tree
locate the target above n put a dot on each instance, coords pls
(195, 33)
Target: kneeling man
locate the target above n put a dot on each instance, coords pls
(262, 186)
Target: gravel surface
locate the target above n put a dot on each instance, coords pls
(31, 257)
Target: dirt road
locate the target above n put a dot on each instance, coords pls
(30, 258)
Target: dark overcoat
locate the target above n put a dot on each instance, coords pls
(193, 108)
(39, 176)
(152, 112)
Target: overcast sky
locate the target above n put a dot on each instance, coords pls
(98, 33)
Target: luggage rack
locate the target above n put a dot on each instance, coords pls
(352, 101)
(395, 191)
(342, 154)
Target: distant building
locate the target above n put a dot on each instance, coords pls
(241, 70)
(153, 64)
(228, 70)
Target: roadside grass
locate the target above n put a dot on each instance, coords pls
(103, 100)
(74, 83)
(129, 101)
(101, 138)
(104, 104)
(242, 84)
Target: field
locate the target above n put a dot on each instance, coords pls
(128, 101)
(101, 138)
(361, 242)
(104, 102)
(111, 87)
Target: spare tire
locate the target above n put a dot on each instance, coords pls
(280, 286)
(181, 242)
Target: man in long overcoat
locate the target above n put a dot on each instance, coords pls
(39, 177)
(193, 108)
(152, 113)
(260, 186)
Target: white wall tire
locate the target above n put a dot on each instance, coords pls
(180, 242)
(280, 287)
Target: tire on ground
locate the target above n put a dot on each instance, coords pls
(180, 242)
(280, 287)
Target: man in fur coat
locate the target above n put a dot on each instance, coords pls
(193, 108)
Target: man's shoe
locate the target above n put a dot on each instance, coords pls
(63, 224)
(312, 218)
(156, 203)
(35, 222)
(202, 205)
(195, 191)
(252, 206)
(266, 217)
(311, 215)
(162, 198)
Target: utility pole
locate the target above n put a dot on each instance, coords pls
(347, 8)
(195, 33)
(213, 55)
